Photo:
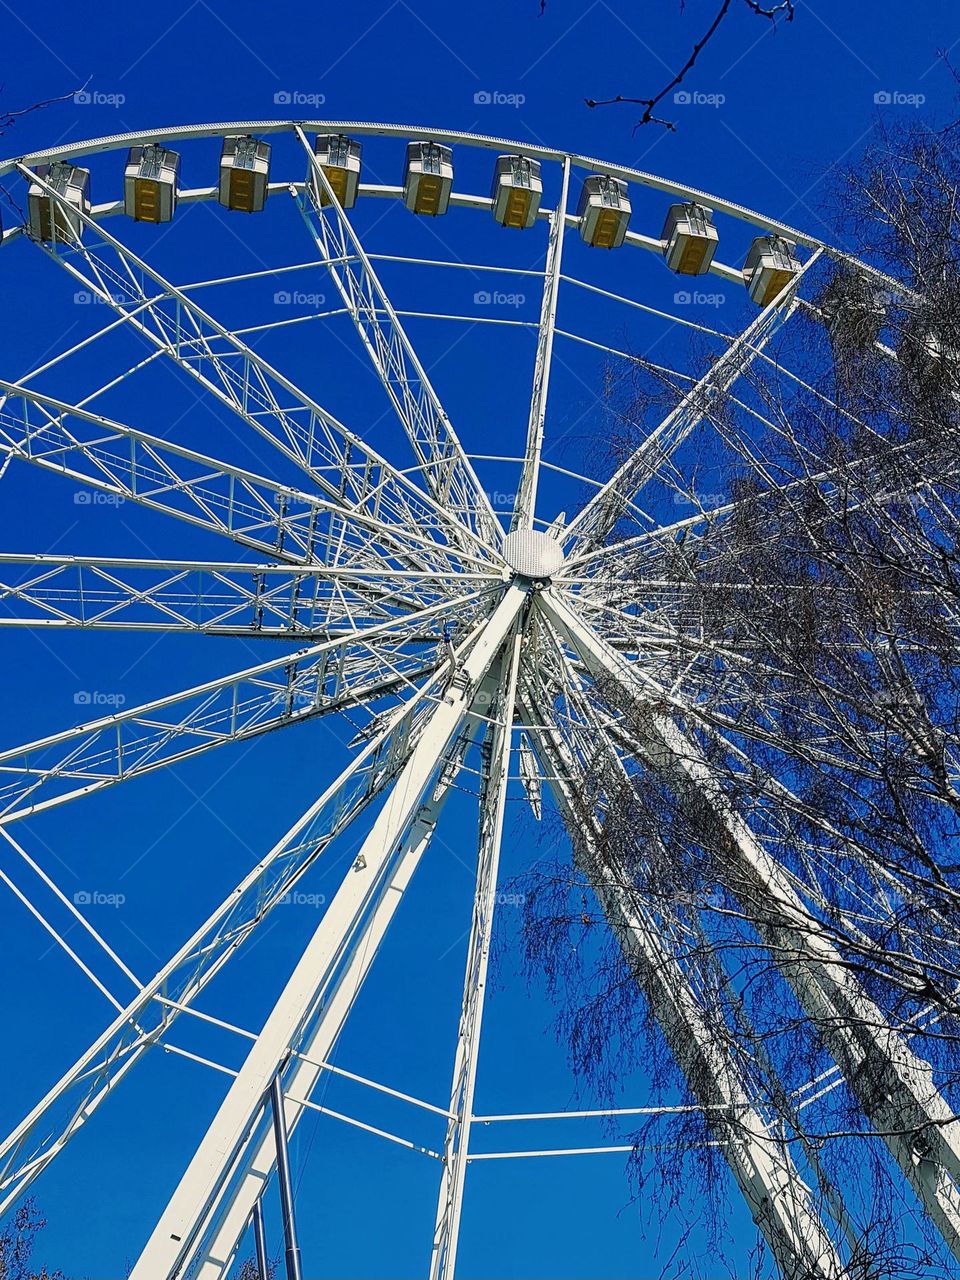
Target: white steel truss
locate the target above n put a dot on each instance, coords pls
(600, 515)
(523, 511)
(337, 461)
(36, 1141)
(308, 602)
(446, 468)
(326, 677)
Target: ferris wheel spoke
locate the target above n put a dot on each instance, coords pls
(46, 1131)
(320, 680)
(215, 598)
(447, 471)
(525, 505)
(842, 490)
(779, 1200)
(251, 510)
(174, 1242)
(344, 468)
(598, 518)
(891, 1083)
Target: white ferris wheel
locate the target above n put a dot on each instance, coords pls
(467, 637)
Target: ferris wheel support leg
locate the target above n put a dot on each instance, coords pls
(260, 1242)
(493, 797)
(894, 1087)
(525, 505)
(173, 1242)
(778, 1198)
(227, 1220)
(285, 1182)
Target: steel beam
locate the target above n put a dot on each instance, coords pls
(525, 505)
(44, 1133)
(493, 799)
(227, 1218)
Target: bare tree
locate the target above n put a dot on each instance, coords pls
(9, 118)
(17, 1241)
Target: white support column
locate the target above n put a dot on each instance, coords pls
(893, 1086)
(525, 506)
(493, 798)
(172, 1244)
(779, 1200)
(227, 1218)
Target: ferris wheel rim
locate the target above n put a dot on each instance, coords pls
(411, 132)
(454, 137)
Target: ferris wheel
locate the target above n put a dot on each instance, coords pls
(459, 636)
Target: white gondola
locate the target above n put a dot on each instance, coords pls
(689, 239)
(150, 183)
(428, 178)
(244, 173)
(339, 158)
(517, 191)
(604, 211)
(48, 219)
(769, 268)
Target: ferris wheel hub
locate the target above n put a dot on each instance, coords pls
(532, 554)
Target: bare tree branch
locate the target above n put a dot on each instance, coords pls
(785, 9)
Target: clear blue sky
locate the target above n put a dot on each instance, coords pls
(792, 104)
